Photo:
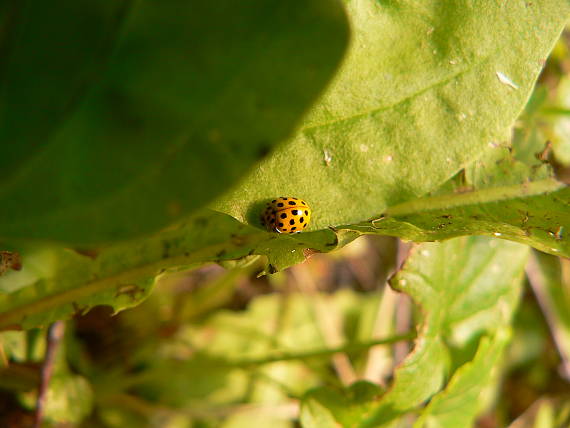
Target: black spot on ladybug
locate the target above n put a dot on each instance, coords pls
(306, 212)
(280, 204)
(303, 202)
(284, 230)
(292, 222)
(305, 225)
(283, 215)
(295, 199)
(292, 203)
(295, 212)
(293, 228)
(284, 199)
(280, 225)
(302, 220)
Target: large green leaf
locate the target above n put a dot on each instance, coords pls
(460, 403)
(424, 89)
(467, 290)
(123, 135)
(51, 54)
(57, 281)
(534, 213)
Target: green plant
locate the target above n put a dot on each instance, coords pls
(144, 138)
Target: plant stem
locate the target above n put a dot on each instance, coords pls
(54, 337)
(350, 347)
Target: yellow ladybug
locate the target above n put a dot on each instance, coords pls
(286, 215)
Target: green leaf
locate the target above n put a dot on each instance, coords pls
(460, 403)
(71, 44)
(69, 399)
(496, 195)
(149, 125)
(535, 214)
(56, 282)
(421, 94)
(328, 408)
(467, 290)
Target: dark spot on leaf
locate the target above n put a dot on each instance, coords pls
(271, 268)
(263, 151)
(221, 254)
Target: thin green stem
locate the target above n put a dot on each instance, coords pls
(349, 347)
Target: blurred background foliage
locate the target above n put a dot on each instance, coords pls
(219, 346)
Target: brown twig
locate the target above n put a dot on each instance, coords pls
(538, 284)
(54, 337)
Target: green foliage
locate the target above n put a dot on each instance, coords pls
(148, 113)
(500, 204)
(141, 139)
(467, 290)
(417, 99)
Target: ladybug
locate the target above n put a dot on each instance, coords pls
(286, 215)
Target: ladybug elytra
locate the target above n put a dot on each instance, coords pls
(286, 215)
